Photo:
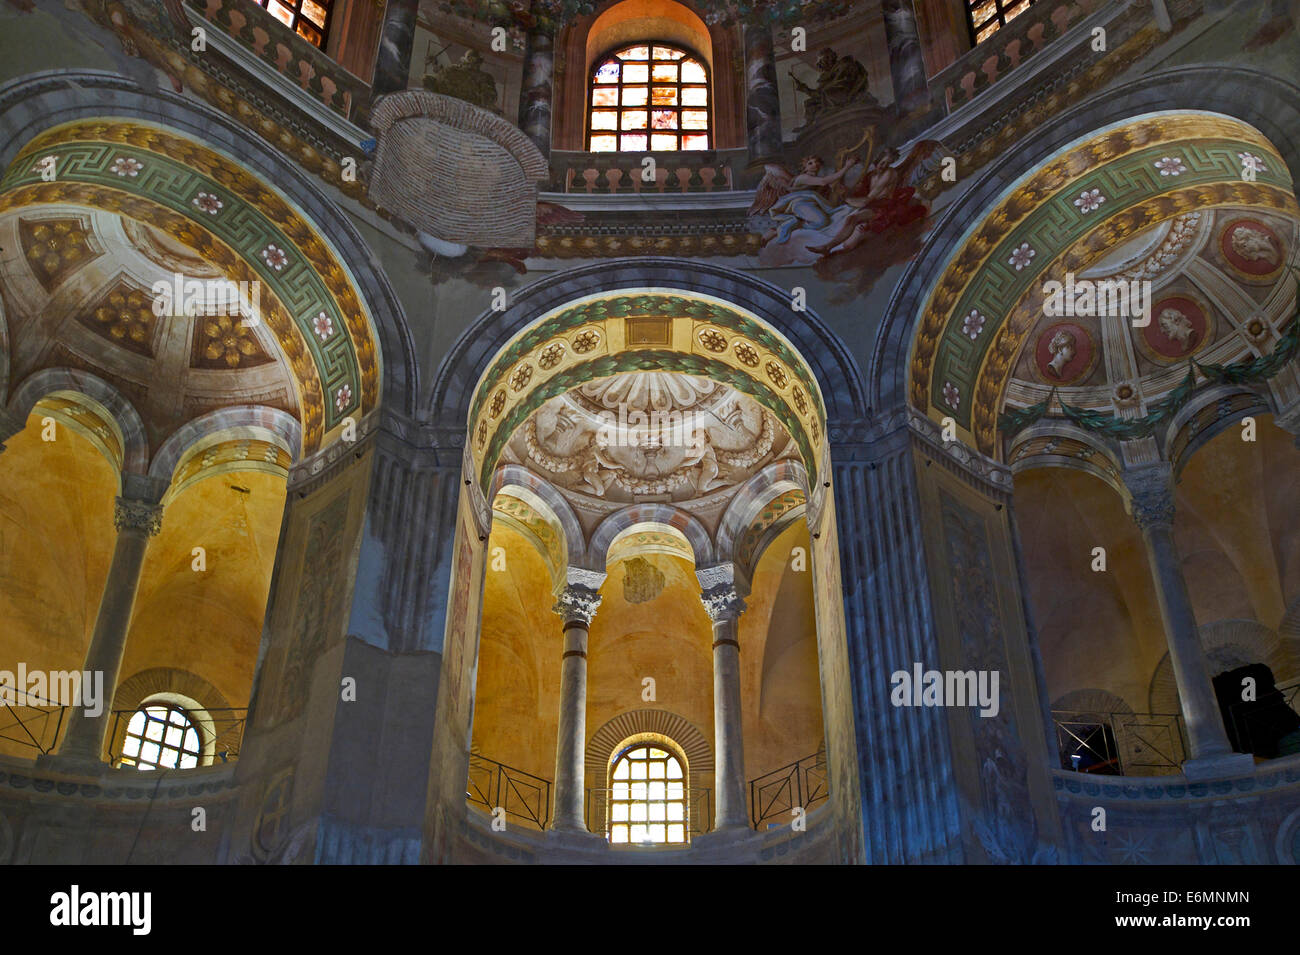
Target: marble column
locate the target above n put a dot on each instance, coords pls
(1151, 487)
(577, 605)
(396, 39)
(537, 90)
(762, 101)
(136, 521)
(725, 603)
(906, 64)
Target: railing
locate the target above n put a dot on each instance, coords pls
(1025, 36)
(1257, 726)
(287, 53)
(801, 784)
(623, 173)
(32, 723)
(1120, 744)
(699, 812)
(226, 731)
(494, 786)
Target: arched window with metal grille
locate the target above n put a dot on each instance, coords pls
(649, 97)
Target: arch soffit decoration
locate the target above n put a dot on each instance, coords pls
(1037, 230)
(1208, 413)
(760, 511)
(457, 382)
(662, 515)
(1266, 102)
(219, 209)
(239, 438)
(90, 406)
(645, 329)
(1063, 444)
(29, 105)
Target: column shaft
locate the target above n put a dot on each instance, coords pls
(537, 90)
(136, 522)
(396, 38)
(906, 64)
(1205, 733)
(728, 728)
(762, 101)
(570, 747)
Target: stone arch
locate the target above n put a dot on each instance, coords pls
(235, 421)
(1208, 413)
(604, 743)
(742, 534)
(1061, 444)
(118, 412)
(1091, 704)
(1228, 644)
(1266, 103)
(634, 514)
(34, 104)
(553, 504)
(827, 358)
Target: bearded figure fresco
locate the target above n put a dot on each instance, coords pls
(649, 433)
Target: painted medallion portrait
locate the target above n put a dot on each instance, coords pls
(1064, 353)
(1179, 327)
(1252, 249)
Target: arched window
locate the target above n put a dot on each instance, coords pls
(649, 97)
(161, 736)
(647, 802)
(307, 18)
(986, 17)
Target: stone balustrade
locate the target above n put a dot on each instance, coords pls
(623, 173)
(287, 53)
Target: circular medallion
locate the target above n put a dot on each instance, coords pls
(1252, 249)
(1064, 353)
(1180, 326)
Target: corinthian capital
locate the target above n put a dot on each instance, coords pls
(577, 604)
(137, 516)
(723, 602)
(1152, 495)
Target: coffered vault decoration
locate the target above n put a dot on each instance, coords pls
(243, 229)
(1096, 197)
(641, 331)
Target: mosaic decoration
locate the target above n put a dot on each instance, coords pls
(644, 332)
(1063, 216)
(235, 222)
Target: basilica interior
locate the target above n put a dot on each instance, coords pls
(649, 431)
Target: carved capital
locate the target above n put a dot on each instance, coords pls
(137, 516)
(577, 604)
(723, 602)
(1152, 495)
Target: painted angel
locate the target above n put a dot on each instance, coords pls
(803, 201)
(884, 197)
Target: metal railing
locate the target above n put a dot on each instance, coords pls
(1121, 744)
(226, 731)
(522, 795)
(32, 723)
(699, 811)
(1256, 725)
(801, 784)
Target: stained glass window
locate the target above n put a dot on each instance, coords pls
(986, 17)
(307, 18)
(647, 801)
(649, 96)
